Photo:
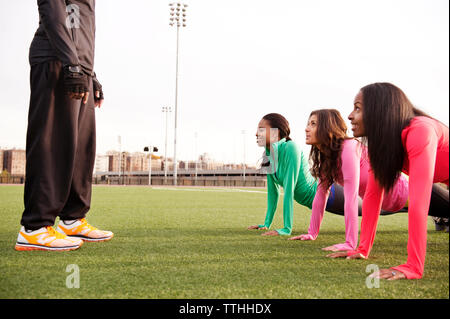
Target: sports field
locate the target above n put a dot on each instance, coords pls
(194, 243)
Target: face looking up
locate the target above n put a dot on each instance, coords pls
(265, 134)
(356, 116)
(311, 131)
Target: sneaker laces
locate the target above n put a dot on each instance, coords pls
(85, 224)
(53, 233)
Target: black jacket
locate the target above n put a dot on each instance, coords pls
(66, 33)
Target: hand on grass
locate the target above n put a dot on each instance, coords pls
(338, 247)
(302, 237)
(389, 274)
(270, 233)
(343, 254)
(257, 227)
(330, 248)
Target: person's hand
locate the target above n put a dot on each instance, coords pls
(389, 274)
(98, 101)
(98, 92)
(331, 248)
(75, 83)
(270, 233)
(257, 227)
(302, 237)
(77, 96)
(343, 254)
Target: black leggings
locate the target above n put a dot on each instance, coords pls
(439, 203)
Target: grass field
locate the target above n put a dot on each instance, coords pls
(193, 243)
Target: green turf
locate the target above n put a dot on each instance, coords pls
(194, 244)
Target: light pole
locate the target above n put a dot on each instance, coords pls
(243, 134)
(196, 157)
(150, 149)
(178, 19)
(150, 167)
(166, 109)
(119, 139)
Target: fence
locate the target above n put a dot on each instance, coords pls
(183, 181)
(12, 179)
(227, 178)
(224, 178)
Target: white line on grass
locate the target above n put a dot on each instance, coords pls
(208, 190)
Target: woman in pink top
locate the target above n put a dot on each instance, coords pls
(337, 158)
(400, 138)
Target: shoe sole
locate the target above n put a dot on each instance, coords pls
(29, 247)
(84, 238)
(92, 239)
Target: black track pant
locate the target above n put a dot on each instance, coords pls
(439, 204)
(60, 150)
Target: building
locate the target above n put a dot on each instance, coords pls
(101, 163)
(137, 161)
(14, 162)
(114, 161)
(1, 161)
(206, 162)
(169, 164)
(156, 162)
(130, 162)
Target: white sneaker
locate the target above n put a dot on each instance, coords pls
(83, 230)
(45, 238)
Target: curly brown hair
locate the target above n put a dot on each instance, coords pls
(326, 156)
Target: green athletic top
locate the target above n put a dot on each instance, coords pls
(291, 171)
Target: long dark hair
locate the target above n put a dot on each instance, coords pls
(279, 122)
(326, 158)
(386, 112)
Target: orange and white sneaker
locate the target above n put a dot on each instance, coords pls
(45, 238)
(81, 229)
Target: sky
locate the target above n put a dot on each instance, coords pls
(238, 60)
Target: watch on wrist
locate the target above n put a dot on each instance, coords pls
(74, 69)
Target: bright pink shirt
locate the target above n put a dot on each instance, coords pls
(353, 177)
(426, 162)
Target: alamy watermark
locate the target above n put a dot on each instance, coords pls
(73, 279)
(73, 19)
(371, 280)
(268, 162)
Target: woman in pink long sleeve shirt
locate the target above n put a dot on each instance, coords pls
(400, 138)
(340, 159)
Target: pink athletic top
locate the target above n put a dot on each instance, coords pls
(426, 162)
(353, 177)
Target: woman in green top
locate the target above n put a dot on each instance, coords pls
(287, 166)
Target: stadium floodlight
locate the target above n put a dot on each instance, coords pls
(176, 17)
(166, 109)
(150, 149)
(119, 140)
(243, 134)
(196, 156)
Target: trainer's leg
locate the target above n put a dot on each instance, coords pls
(439, 204)
(51, 145)
(79, 200)
(336, 201)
